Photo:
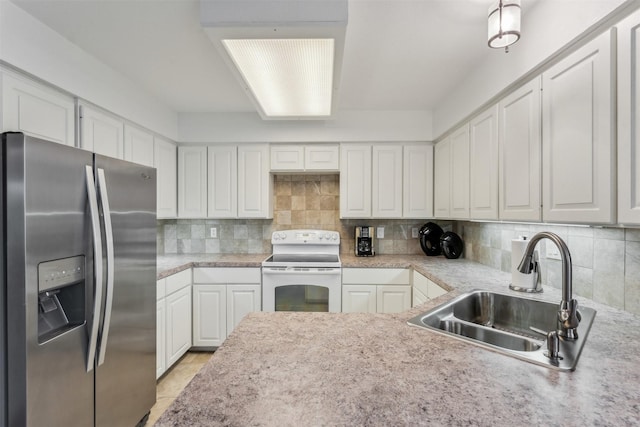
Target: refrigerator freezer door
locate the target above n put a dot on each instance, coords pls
(126, 379)
(49, 282)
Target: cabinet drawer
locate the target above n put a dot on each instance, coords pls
(178, 281)
(227, 275)
(375, 276)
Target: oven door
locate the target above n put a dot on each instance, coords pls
(301, 289)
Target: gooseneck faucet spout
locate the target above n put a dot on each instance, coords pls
(568, 318)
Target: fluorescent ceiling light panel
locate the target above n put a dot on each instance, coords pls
(287, 54)
(288, 77)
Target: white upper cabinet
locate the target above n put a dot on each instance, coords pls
(287, 157)
(299, 158)
(578, 136)
(460, 173)
(138, 146)
(417, 181)
(322, 157)
(355, 181)
(192, 182)
(483, 166)
(520, 150)
(387, 181)
(101, 132)
(36, 110)
(254, 182)
(629, 120)
(165, 162)
(222, 185)
(442, 179)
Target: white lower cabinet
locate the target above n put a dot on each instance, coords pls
(375, 290)
(209, 315)
(178, 324)
(359, 299)
(221, 298)
(161, 329)
(173, 322)
(241, 300)
(424, 289)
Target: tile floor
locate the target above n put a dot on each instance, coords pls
(176, 379)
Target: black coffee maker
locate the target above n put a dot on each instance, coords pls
(364, 241)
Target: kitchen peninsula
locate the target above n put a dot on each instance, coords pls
(373, 369)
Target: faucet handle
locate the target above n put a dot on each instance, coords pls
(553, 346)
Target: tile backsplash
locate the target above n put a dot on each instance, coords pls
(300, 201)
(606, 261)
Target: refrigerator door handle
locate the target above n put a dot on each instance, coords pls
(106, 211)
(97, 267)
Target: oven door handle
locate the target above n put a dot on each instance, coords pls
(296, 270)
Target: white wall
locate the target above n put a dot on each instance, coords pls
(31, 46)
(546, 27)
(348, 126)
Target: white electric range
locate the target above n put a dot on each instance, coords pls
(304, 273)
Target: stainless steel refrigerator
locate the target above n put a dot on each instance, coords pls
(78, 300)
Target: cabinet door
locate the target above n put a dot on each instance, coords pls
(393, 299)
(442, 179)
(222, 182)
(628, 120)
(417, 200)
(418, 297)
(359, 298)
(241, 300)
(520, 146)
(254, 182)
(161, 338)
(37, 110)
(192, 182)
(355, 181)
(287, 157)
(209, 315)
(460, 173)
(101, 133)
(165, 162)
(322, 157)
(386, 197)
(178, 324)
(483, 165)
(138, 146)
(578, 136)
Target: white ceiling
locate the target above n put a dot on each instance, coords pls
(403, 55)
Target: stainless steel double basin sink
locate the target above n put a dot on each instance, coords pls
(507, 324)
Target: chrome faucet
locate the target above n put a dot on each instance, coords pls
(568, 317)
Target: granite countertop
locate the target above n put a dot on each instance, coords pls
(172, 264)
(344, 369)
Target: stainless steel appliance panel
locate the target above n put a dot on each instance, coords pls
(126, 379)
(45, 220)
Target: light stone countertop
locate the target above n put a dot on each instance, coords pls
(340, 369)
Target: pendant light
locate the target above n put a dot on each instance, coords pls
(504, 24)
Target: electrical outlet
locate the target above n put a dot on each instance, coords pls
(380, 232)
(414, 233)
(552, 251)
(214, 232)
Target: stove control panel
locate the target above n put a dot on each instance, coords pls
(305, 237)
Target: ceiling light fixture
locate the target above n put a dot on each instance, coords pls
(288, 77)
(504, 24)
(287, 54)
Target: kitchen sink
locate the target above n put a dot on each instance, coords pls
(511, 325)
